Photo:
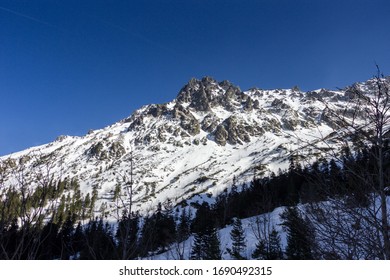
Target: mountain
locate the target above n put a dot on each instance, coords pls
(189, 149)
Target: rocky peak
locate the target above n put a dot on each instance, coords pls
(199, 93)
(202, 95)
(221, 112)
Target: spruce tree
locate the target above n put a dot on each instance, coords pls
(212, 245)
(50, 244)
(197, 247)
(269, 248)
(99, 242)
(300, 240)
(260, 252)
(78, 240)
(206, 242)
(66, 236)
(207, 245)
(183, 228)
(127, 236)
(274, 248)
(165, 227)
(237, 236)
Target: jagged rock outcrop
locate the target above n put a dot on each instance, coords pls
(116, 150)
(187, 121)
(211, 130)
(210, 122)
(221, 135)
(203, 95)
(225, 113)
(236, 130)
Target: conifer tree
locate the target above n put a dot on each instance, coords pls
(197, 247)
(269, 248)
(78, 239)
(66, 237)
(237, 236)
(212, 245)
(275, 248)
(50, 244)
(260, 252)
(165, 226)
(207, 245)
(300, 240)
(127, 236)
(206, 242)
(183, 230)
(99, 242)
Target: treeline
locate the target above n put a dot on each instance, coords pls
(320, 181)
(62, 236)
(31, 217)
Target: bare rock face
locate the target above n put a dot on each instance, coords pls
(234, 130)
(96, 150)
(100, 151)
(225, 114)
(210, 122)
(187, 120)
(277, 105)
(185, 94)
(157, 110)
(191, 125)
(200, 94)
(221, 135)
(290, 119)
(205, 94)
(195, 110)
(136, 121)
(200, 100)
(232, 97)
(249, 104)
(116, 150)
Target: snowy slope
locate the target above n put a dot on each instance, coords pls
(249, 225)
(188, 149)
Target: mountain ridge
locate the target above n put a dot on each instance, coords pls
(189, 149)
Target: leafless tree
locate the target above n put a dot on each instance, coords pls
(128, 243)
(26, 202)
(346, 228)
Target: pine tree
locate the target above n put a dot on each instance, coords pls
(237, 235)
(183, 230)
(206, 242)
(99, 242)
(78, 239)
(221, 208)
(50, 244)
(207, 245)
(165, 226)
(212, 245)
(66, 235)
(260, 252)
(127, 236)
(275, 248)
(269, 248)
(86, 210)
(197, 247)
(300, 240)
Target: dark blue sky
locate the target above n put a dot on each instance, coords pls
(70, 66)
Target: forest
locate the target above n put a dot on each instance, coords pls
(319, 200)
(335, 207)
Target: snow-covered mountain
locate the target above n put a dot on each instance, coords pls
(190, 148)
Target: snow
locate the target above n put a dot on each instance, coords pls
(178, 169)
(272, 219)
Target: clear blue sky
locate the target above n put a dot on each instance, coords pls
(70, 66)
